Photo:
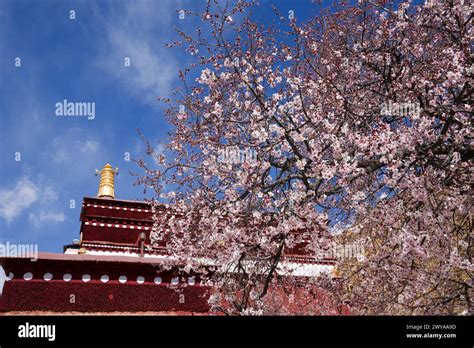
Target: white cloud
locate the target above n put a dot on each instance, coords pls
(49, 194)
(66, 147)
(17, 199)
(22, 196)
(90, 146)
(38, 219)
(136, 31)
(75, 154)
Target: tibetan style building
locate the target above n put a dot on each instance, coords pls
(112, 267)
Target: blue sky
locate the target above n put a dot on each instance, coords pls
(82, 60)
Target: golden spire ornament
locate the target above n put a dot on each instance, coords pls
(107, 180)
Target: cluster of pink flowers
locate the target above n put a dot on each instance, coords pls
(309, 107)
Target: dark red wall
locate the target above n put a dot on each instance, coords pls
(95, 296)
(35, 295)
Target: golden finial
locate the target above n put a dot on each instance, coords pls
(106, 184)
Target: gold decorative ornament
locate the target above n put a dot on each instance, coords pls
(107, 181)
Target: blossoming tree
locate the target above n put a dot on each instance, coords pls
(359, 117)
